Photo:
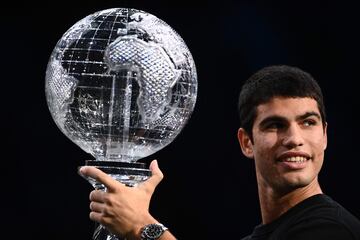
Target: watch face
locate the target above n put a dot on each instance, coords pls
(152, 231)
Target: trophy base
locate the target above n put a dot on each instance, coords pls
(128, 173)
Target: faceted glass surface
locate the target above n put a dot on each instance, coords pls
(121, 84)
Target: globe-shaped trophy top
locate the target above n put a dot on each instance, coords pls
(121, 84)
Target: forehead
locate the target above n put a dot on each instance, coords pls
(286, 107)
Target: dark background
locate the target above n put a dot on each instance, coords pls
(209, 190)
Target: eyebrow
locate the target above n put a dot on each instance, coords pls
(276, 118)
(309, 114)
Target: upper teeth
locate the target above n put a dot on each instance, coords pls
(295, 159)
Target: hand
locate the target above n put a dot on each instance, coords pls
(122, 210)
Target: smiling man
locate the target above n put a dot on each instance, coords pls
(283, 128)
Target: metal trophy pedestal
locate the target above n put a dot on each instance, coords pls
(128, 173)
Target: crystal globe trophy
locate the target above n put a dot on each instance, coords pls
(121, 84)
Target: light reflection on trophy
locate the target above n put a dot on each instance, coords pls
(121, 84)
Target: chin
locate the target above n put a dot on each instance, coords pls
(298, 182)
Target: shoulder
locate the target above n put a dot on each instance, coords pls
(322, 219)
(321, 229)
(325, 222)
(246, 238)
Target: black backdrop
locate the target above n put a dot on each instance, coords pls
(209, 190)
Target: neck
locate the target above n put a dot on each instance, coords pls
(274, 203)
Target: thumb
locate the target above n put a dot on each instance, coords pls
(156, 176)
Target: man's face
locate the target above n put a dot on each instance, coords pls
(288, 143)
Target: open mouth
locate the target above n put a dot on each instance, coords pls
(293, 161)
(297, 159)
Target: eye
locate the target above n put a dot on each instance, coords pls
(275, 125)
(309, 122)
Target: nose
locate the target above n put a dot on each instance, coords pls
(293, 136)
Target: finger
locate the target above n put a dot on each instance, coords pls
(97, 196)
(97, 207)
(99, 176)
(95, 216)
(156, 176)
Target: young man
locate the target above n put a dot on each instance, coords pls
(283, 128)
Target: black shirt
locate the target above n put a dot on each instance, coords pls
(318, 217)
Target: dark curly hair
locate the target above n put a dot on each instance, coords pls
(276, 81)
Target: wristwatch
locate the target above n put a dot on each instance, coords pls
(152, 231)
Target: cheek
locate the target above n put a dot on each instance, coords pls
(264, 147)
(265, 142)
(318, 143)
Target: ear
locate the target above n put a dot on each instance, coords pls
(245, 143)
(325, 136)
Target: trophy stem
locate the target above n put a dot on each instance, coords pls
(127, 108)
(127, 173)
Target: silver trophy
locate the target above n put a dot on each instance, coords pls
(121, 84)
